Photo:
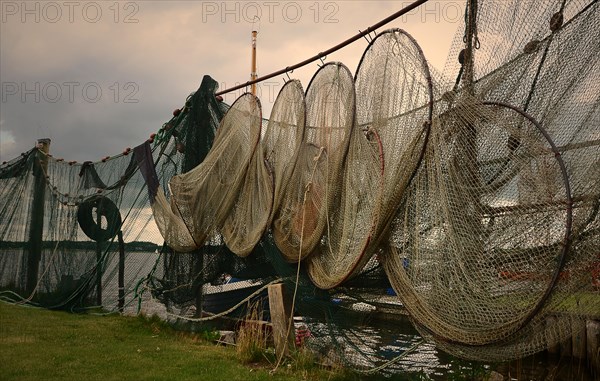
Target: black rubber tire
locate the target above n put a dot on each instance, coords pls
(87, 218)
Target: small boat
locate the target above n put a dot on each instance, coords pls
(224, 297)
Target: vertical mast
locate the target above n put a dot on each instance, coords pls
(253, 74)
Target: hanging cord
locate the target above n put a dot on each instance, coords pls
(306, 191)
(469, 37)
(37, 285)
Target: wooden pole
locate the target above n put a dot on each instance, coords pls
(121, 271)
(281, 313)
(253, 73)
(98, 263)
(36, 229)
(199, 281)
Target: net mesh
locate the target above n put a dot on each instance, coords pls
(496, 214)
(305, 208)
(465, 201)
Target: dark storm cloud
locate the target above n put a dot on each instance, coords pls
(98, 77)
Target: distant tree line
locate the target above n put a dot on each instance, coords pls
(82, 245)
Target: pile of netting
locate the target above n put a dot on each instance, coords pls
(467, 201)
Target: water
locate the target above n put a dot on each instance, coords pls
(378, 343)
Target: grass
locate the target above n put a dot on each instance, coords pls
(252, 339)
(38, 344)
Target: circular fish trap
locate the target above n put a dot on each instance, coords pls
(315, 181)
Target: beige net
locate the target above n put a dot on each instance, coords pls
(283, 138)
(201, 199)
(305, 210)
(494, 251)
(269, 171)
(394, 100)
(248, 219)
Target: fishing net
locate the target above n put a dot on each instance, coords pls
(394, 100)
(203, 197)
(283, 137)
(305, 209)
(248, 219)
(492, 250)
(63, 239)
(269, 172)
(466, 202)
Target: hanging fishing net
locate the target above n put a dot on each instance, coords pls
(269, 172)
(305, 210)
(202, 198)
(394, 98)
(283, 138)
(64, 237)
(474, 194)
(248, 219)
(491, 251)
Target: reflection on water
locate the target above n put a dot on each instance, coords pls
(399, 346)
(396, 346)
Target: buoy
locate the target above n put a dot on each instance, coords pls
(219, 98)
(461, 57)
(531, 46)
(152, 135)
(105, 158)
(556, 21)
(176, 112)
(180, 148)
(127, 150)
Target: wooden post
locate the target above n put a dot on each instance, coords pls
(199, 281)
(281, 315)
(98, 263)
(121, 271)
(36, 229)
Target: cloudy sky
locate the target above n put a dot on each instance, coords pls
(97, 77)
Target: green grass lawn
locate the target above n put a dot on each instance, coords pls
(38, 344)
